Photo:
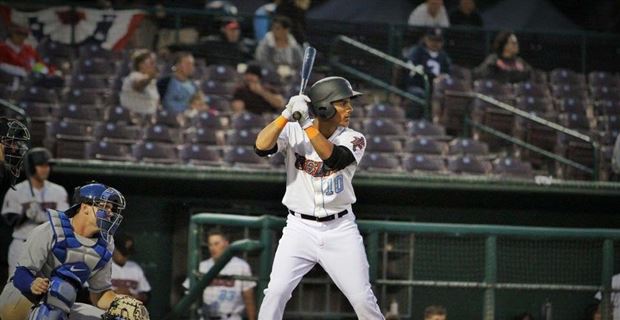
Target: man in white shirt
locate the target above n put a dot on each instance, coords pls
(139, 92)
(127, 276)
(25, 207)
(431, 13)
(225, 298)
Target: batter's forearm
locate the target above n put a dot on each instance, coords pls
(268, 137)
(103, 300)
(321, 145)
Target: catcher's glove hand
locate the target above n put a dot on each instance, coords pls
(126, 308)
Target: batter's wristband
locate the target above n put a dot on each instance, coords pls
(312, 132)
(281, 122)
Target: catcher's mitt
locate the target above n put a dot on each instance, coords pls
(126, 308)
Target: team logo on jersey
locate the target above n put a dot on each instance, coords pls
(311, 167)
(358, 143)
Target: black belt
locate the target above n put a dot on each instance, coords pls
(320, 219)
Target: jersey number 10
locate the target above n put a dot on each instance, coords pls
(336, 183)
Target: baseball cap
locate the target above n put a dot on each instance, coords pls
(255, 69)
(434, 33)
(124, 244)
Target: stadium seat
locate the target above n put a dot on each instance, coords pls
(248, 120)
(531, 89)
(118, 133)
(424, 128)
(40, 111)
(535, 104)
(577, 121)
(597, 79)
(118, 114)
(83, 114)
(91, 83)
(170, 119)
(566, 76)
(38, 94)
(242, 137)
(160, 133)
(82, 97)
(418, 163)
(492, 88)
(605, 93)
(382, 144)
(571, 105)
(208, 120)
(564, 91)
(382, 127)
(607, 107)
(244, 156)
(423, 145)
(386, 111)
(380, 162)
(208, 136)
(96, 67)
(198, 154)
(509, 167)
(155, 152)
(67, 139)
(212, 87)
(467, 164)
(104, 150)
(222, 73)
(468, 146)
(95, 51)
(449, 110)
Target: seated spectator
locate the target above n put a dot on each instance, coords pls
(127, 276)
(254, 96)
(279, 47)
(198, 104)
(466, 14)
(139, 91)
(504, 65)
(429, 54)
(295, 10)
(228, 47)
(178, 89)
(431, 13)
(19, 58)
(435, 312)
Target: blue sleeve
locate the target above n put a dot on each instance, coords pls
(416, 56)
(22, 279)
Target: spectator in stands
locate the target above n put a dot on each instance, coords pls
(178, 89)
(228, 47)
(262, 19)
(435, 312)
(295, 10)
(225, 297)
(139, 91)
(466, 14)
(19, 58)
(127, 276)
(431, 13)
(279, 47)
(254, 96)
(429, 54)
(198, 104)
(524, 316)
(504, 65)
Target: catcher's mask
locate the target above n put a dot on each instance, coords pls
(15, 143)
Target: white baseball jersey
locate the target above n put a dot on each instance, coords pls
(311, 187)
(131, 277)
(615, 296)
(21, 201)
(224, 295)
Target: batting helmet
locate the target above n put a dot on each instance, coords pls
(109, 202)
(328, 90)
(35, 157)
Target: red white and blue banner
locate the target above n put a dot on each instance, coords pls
(112, 29)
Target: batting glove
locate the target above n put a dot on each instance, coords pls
(299, 99)
(304, 120)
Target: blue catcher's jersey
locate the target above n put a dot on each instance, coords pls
(75, 261)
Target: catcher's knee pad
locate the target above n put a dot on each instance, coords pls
(61, 295)
(46, 312)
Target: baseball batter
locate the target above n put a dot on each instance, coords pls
(72, 248)
(321, 155)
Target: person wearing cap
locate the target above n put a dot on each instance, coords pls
(228, 47)
(279, 47)
(177, 90)
(24, 207)
(504, 65)
(255, 96)
(466, 14)
(19, 58)
(430, 55)
(127, 276)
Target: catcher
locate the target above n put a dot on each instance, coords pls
(62, 255)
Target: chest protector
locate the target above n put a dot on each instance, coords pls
(77, 261)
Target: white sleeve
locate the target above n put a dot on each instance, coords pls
(38, 248)
(11, 203)
(445, 21)
(354, 141)
(415, 18)
(143, 283)
(246, 271)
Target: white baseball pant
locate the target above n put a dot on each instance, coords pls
(338, 247)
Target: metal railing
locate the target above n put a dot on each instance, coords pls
(491, 281)
(536, 119)
(418, 70)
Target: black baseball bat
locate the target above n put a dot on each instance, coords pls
(306, 68)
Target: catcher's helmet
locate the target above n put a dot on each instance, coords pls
(328, 90)
(35, 157)
(109, 202)
(15, 138)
